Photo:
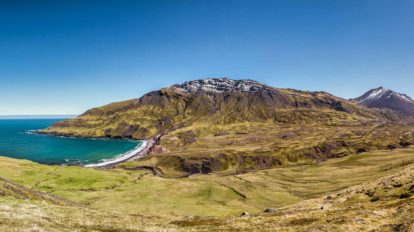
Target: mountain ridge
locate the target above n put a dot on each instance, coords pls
(215, 100)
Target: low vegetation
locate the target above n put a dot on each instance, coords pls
(360, 191)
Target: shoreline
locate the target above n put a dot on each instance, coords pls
(63, 135)
(136, 153)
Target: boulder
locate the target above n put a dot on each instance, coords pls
(244, 214)
(270, 210)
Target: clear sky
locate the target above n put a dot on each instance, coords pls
(64, 57)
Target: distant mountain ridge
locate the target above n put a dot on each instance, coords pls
(388, 99)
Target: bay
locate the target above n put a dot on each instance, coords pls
(17, 141)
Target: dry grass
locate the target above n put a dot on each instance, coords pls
(352, 209)
(349, 209)
(19, 215)
(204, 195)
(117, 200)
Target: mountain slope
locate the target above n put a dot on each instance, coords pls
(388, 99)
(217, 101)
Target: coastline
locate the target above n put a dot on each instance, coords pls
(134, 154)
(137, 153)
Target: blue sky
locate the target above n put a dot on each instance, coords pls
(64, 57)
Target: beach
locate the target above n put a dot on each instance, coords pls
(136, 153)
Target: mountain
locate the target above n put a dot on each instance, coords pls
(387, 99)
(213, 101)
(230, 126)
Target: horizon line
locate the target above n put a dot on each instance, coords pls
(38, 116)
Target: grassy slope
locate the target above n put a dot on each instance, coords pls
(18, 215)
(385, 204)
(205, 195)
(249, 146)
(382, 202)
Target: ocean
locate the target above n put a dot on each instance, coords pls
(16, 141)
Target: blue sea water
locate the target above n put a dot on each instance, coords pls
(16, 141)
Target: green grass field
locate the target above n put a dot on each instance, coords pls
(140, 192)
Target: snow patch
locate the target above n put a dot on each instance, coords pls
(219, 85)
(381, 93)
(375, 94)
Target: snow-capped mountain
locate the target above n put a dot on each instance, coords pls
(386, 98)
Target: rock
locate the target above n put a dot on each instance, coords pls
(244, 214)
(329, 198)
(288, 135)
(158, 149)
(270, 210)
(323, 207)
(404, 144)
(405, 195)
(374, 199)
(361, 150)
(392, 147)
(397, 185)
(370, 193)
